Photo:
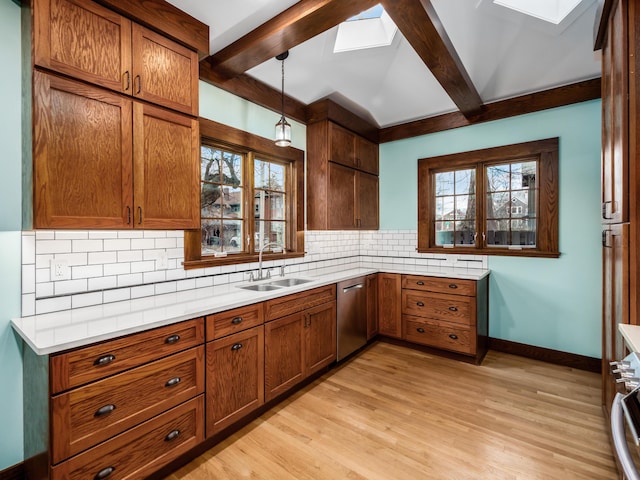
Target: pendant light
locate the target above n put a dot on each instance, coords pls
(283, 128)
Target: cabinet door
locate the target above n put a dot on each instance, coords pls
(320, 325)
(84, 40)
(389, 305)
(81, 156)
(164, 72)
(615, 301)
(284, 354)
(367, 201)
(341, 201)
(366, 155)
(615, 112)
(372, 306)
(342, 146)
(166, 169)
(235, 378)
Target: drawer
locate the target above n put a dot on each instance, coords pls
(85, 416)
(446, 335)
(281, 307)
(450, 308)
(141, 450)
(438, 284)
(225, 323)
(87, 364)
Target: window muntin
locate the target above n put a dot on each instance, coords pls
(511, 204)
(512, 196)
(221, 200)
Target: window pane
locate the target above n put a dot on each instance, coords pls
(210, 200)
(211, 236)
(232, 206)
(231, 168)
(275, 206)
(260, 202)
(444, 183)
(269, 232)
(444, 233)
(276, 177)
(232, 236)
(444, 208)
(523, 175)
(261, 174)
(465, 207)
(209, 164)
(465, 232)
(498, 178)
(465, 182)
(498, 205)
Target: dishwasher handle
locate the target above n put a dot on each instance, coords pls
(352, 287)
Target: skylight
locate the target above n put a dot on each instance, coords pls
(371, 28)
(552, 11)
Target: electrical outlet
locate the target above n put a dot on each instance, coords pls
(60, 270)
(162, 262)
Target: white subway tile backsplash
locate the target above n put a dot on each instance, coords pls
(143, 291)
(117, 244)
(44, 289)
(204, 282)
(146, 266)
(169, 242)
(153, 277)
(188, 284)
(102, 234)
(87, 271)
(43, 275)
(45, 235)
(88, 245)
(56, 304)
(86, 299)
(117, 295)
(176, 274)
(130, 234)
(166, 287)
(142, 243)
(28, 248)
(102, 283)
(129, 279)
(71, 235)
(29, 278)
(117, 269)
(154, 233)
(129, 255)
(28, 305)
(52, 246)
(65, 287)
(100, 258)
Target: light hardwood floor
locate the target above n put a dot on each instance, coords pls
(397, 413)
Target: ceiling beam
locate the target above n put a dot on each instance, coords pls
(297, 24)
(533, 102)
(420, 25)
(247, 87)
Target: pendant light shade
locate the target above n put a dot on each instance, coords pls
(283, 128)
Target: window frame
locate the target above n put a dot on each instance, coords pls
(545, 152)
(217, 134)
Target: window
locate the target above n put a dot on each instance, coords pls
(502, 200)
(251, 196)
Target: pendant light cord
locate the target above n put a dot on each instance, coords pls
(282, 89)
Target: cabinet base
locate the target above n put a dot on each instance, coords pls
(475, 359)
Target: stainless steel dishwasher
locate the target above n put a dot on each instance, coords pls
(352, 316)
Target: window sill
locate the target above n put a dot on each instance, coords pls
(504, 252)
(237, 259)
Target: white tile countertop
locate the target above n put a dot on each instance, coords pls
(631, 335)
(55, 332)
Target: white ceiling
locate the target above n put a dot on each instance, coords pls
(505, 53)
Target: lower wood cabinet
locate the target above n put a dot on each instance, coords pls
(235, 377)
(372, 306)
(389, 305)
(299, 344)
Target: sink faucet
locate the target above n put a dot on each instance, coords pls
(268, 275)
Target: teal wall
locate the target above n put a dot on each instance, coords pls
(10, 239)
(552, 303)
(223, 107)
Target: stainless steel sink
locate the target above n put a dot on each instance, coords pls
(259, 288)
(289, 282)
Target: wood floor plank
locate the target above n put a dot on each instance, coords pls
(397, 413)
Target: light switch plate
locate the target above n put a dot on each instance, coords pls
(60, 270)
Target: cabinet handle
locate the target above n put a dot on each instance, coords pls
(604, 209)
(104, 360)
(237, 320)
(172, 435)
(453, 309)
(128, 77)
(420, 330)
(139, 81)
(139, 215)
(172, 382)
(104, 473)
(172, 339)
(420, 304)
(236, 347)
(420, 282)
(453, 336)
(107, 409)
(128, 215)
(453, 285)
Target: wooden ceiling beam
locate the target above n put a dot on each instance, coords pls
(255, 91)
(297, 24)
(420, 25)
(533, 102)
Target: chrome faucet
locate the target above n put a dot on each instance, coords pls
(268, 275)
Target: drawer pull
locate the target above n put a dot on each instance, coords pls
(453, 285)
(172, 339)
(106, 410)
(104, 473)
(420, 304)
(453, 309)
(172, 435)
(237, 346)
(420, 330)
(237, 320)
(172, 382)
(420, 283)
(453, 336)
(104, 360)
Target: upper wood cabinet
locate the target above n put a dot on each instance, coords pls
(342, 179)
(84, 40)
(104, 161)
